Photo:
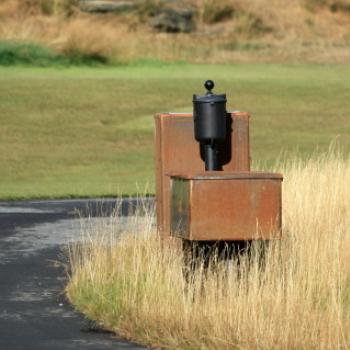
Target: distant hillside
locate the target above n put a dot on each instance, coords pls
(198, 30)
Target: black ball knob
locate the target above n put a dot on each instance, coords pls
(209, 85)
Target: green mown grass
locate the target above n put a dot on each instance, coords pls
(76, 132)
(34, 54)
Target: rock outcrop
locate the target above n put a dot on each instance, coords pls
(106, 6)
(173, 20)
(171, 16)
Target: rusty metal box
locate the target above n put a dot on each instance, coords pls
(176, 150)
(226, 206)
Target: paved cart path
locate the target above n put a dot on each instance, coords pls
(34, 313)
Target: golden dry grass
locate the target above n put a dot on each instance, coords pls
(256, 30)
(300, 299)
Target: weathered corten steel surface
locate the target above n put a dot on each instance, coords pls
(176, 150)
(226, 206)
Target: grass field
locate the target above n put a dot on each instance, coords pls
(77, 132)
(232, 31)
(298, 299)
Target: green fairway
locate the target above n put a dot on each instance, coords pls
(74, 132)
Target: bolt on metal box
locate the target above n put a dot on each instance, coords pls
(228, 206)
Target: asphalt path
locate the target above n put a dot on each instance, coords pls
(34, 313)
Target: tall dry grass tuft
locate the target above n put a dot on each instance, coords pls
(298, 299)
(88, 37)
(227, 31)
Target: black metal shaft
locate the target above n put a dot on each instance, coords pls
(211, 156)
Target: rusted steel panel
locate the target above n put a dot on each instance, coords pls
(220, 175)
(240, 143)
(159, 177)
(176, 150)
(238, 206)
(180, 209)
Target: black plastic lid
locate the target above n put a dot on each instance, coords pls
(209, 96)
